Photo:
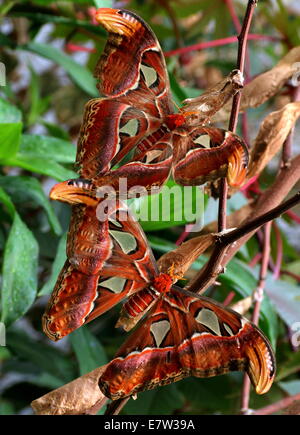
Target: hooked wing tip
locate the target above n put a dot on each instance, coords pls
(118, 21)
(262, 365)
(74, 192)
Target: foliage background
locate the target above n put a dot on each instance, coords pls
(49, 50)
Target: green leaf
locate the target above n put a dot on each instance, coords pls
(244, 280)
(5, 199)
(213, 395)
(19, 282)
(10, 136)
(291, 387)
(57, 265)
(289, 366)
(7, 408)
(103, 3)
(286, 298)
(89, 351)
(41, 166)
(56, 149)
(55, 19)
(55, 130)
(9, 114)
(47, 358)
(161, 401)
(78, 73)
(23, 189)
(38, 104)
(174, 205)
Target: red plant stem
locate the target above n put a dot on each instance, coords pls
(74, 47)
(238, 29)
(255, 259)
(242, 46)
(279, 249)
(258, 297)
(291, 274)
(293, 216)
(234, 17)
(278, 406)
(218, 43)
(228, 298)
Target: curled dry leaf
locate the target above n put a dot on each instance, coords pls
(180, 259)
(265, 85)
(77, 397)
(271, 136)
(242, 306)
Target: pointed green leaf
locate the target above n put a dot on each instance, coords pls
(19, 281)
(41, 166)
(58, 263)
(53, 148)
(23, 188)
(89, 351)
(78, 73)
(10, 136)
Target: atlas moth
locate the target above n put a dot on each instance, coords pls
(182, 334)
(110, 260)
(133, 132)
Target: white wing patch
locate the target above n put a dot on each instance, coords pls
(150, 74)
(115, 222)
(115, 284)
(131, 127)
(228, 329)
(209, 318)
(203, 140)
(160, 330)
(126, 240)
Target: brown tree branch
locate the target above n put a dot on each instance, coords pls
(278, 406)
(263, 211)
(242, 49)
(258, 296)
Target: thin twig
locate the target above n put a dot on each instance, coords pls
(279, 253)
(116, 406)
(219, 43)
(278, 406)
(214, 266)
(242, 47)
(258, 296)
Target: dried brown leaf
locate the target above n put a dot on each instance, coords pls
(77, 397)
(181, 258)
(271, 136)
(242, 306)
(265, 85)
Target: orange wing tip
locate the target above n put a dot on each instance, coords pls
(262, 365)
(49, 330)
(117, 21)
(74, 192)
(236, 173)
